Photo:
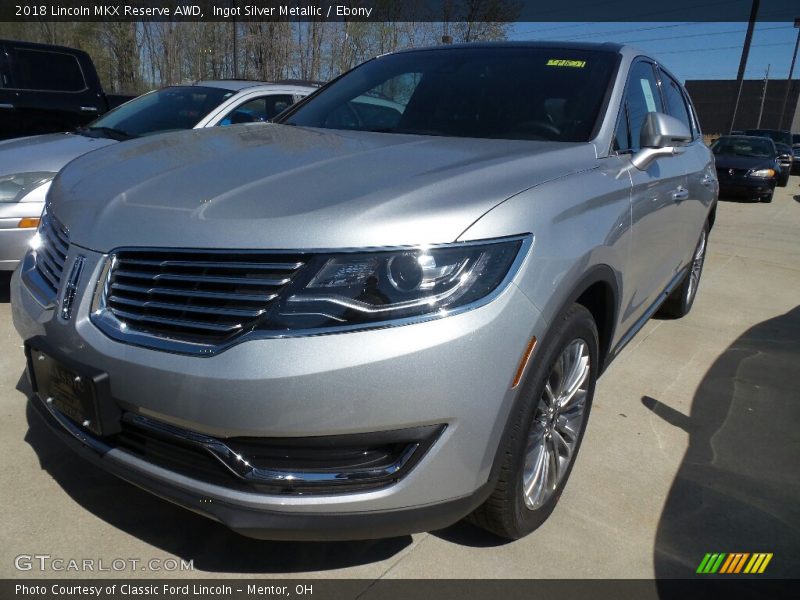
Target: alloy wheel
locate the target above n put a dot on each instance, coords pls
(557, 424)
(696, 268)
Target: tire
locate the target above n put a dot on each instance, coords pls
(680, 301)
(784, 181)
(508, 512)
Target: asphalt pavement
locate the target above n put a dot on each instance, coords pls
(693, 446)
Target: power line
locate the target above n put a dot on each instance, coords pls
(601, 33)
(693, 35)
(720, 48)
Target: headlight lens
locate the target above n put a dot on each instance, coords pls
(763, 173)
(15, 187)
(368, 288)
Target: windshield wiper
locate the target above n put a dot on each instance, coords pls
(109, 132)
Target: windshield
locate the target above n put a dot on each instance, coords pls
(163, 110)
(744, 146)
(502, 93)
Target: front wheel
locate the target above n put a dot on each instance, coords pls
(680, 301)
(546, 429)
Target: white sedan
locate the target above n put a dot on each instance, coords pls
(28, 165)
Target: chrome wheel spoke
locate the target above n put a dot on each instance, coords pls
(697, 267)
(556, 425)
(561, 445)
(549, 398)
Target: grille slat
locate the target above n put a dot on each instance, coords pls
(233, 312)
(204, 278)
(50, 275)
(176, 322)
(248, 266)
(51, 262)
(51, 254)
(195, 296)
(240, 297)
(54, 257)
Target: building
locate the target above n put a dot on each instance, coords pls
(714, 100)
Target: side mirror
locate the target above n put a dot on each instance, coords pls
(661, 135)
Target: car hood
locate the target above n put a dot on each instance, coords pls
(49, 152)
(282, 187)
(733, 161)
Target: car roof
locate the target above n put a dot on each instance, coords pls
(601, 46)
(745, 137)
(237, 85)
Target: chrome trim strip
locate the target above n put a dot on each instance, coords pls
(71, 288)
(648, 314)
(234, 462)
(105, 320)
(242, 469)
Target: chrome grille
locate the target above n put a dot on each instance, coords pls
(197, 296)
(52, 252)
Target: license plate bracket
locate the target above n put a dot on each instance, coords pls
(81, 394)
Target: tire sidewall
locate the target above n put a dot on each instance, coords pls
(575, 323)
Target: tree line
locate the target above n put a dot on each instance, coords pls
(133, 57)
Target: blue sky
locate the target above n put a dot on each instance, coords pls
(689, 50)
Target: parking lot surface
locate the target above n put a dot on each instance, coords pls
(693, 446)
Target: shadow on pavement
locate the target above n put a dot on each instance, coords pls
(737, 489)
(466, 534)
(181, 532)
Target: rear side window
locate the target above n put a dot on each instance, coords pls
(642, 97)
(676, 105)
(258, 109)
(48, 71)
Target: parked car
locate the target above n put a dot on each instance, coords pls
(28, 165)
(318, 329)
(46, 88)
(795, 152)
(783, 143)
(785, 161)
(746, 166)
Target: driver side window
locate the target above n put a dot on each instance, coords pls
(641, 97)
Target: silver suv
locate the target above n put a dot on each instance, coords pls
(382, 314)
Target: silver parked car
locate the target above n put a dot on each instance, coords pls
(371, 318)
(28, 165)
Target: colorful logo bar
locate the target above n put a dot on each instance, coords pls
(734, 563)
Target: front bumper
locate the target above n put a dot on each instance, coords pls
(744, 187)
(455, 371)
(14, 243)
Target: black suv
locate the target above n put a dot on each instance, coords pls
(45, 88)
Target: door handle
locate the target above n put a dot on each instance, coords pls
(707, 180)
(6, 105)
(89, 108)
(680, 194)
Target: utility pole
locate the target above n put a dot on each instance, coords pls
(789, 78)
(743, 62)
(763, 97)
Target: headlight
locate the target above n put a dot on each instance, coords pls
(762, 173)
(369, 288)
(15, 187)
